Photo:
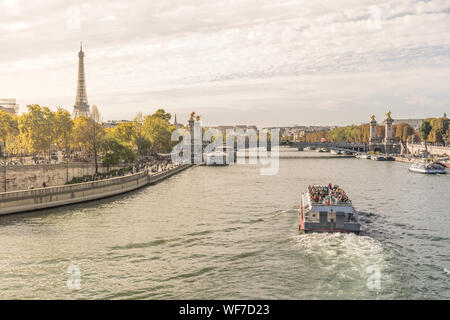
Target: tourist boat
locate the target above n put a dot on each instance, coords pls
(220, 156)
(327, 214)
(336, 152)
(427, 168)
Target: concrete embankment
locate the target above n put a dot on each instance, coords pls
(16, 178)
(28, 200)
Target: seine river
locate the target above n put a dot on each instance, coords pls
(229, 232)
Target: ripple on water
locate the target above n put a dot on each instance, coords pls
(346, 260)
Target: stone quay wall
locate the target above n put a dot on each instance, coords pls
(29, 200)
(435, 150)
(22, 177)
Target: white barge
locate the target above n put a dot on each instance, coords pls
(427, 168)
(327, 209)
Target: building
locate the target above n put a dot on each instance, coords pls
(176, 124)
(9, 105)
(114, 123)
(81, 107)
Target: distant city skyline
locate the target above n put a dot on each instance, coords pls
(277, 63)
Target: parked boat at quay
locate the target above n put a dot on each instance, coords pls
(378, 158)
(363, 156)
(427, 168)
(382, 158)
(327, 209)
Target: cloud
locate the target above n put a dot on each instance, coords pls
(224, 56)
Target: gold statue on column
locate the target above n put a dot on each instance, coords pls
(372, 117)
(388, 115)
(197, 118)
(192, 115)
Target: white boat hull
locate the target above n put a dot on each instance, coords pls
(427, 171)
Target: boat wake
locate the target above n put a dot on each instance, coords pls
(347, 258)
(342, 245)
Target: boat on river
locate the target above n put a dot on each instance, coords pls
(363, 156)
(427, 168)
(336, 152)
(382, 158)
(327, 209)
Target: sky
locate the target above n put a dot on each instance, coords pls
(254, 62)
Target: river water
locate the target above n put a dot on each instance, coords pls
(229, 232)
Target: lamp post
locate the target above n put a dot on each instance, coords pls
(4, 175)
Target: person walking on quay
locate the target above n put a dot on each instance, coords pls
(44, 185)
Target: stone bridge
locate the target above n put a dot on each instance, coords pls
(338, 146)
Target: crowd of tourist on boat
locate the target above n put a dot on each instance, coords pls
(328, 194)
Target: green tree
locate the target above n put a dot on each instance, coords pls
(64, 127)
(157, 129)
(87, 135)
(425, 130)
(115, 151)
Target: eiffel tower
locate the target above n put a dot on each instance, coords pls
(81, 107)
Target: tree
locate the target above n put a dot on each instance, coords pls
(64, 126)
(87, 135)
(37, 128)
(439, 129)
(402, 132)
(125, 133)
(5, 124)
(9, 132)
(157, 129)
(161, 113)
(115, 151)
(425, 130)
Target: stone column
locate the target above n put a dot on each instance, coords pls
(373, 134)
(195, 131)
(192, 133)
(373, 131)
(389, 139)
